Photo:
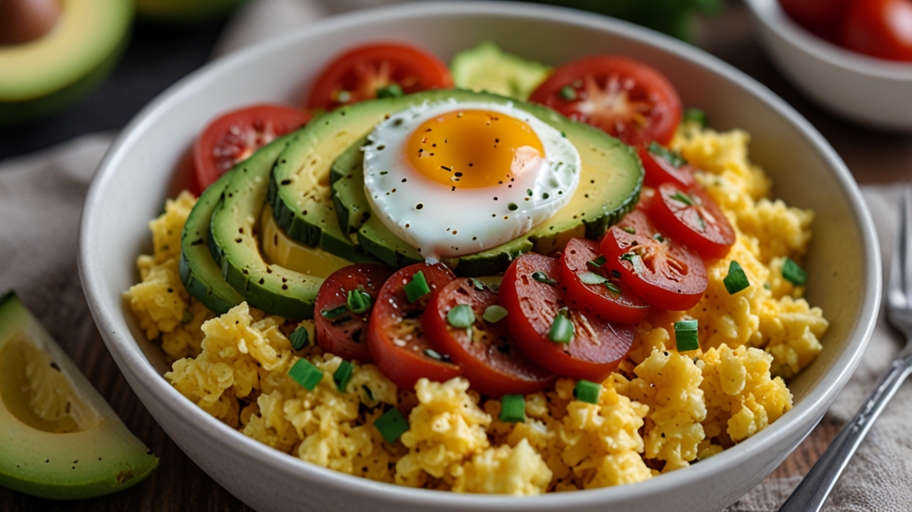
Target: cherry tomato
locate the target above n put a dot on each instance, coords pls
(663, 166)
(646, 196)
(345, 333)
(357, 74)
(396, 338)
(597, 345)
(488, 355)
(662, 271)
(626, 98)
(234, 136)
(822, 17)
(880, 28)
(607, 299)
(693, 218)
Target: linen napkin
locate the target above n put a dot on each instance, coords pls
(41, 197)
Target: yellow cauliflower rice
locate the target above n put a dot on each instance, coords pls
(660, 411)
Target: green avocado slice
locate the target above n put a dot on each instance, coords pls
(59, 439)
(488, 68)
(610, 183)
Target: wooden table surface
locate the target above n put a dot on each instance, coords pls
(179, 484)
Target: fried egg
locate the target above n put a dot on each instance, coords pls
(455, 178)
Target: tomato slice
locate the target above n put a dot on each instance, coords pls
(597, 346)
(396, 337)
(663, 165)
(357, 74)
(490, 358)
(662, 271)
(880, 28)
(234, 136)
(693, 218)
(626, 98)
(345, 333)
(609, 299)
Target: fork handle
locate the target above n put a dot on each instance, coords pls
(811, 493)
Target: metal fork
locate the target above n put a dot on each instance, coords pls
(811, 493)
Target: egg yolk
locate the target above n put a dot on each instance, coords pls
(474, 149)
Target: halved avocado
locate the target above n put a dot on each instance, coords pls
(45, 74)
(610, 181)
(59, 439)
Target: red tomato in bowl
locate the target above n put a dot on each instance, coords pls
(531, 294)
(359, 73)
(661, 270)
(626, 98)
(396, 337)
(693, 218)
(880, 28)
(488, 355)
(345, 334)
(232, 137)
(662, 165)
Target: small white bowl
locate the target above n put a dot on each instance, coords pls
(869, 91)
(136, 176)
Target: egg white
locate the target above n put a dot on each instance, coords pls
(441, 222)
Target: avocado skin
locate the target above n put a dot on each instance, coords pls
(617, 190)
(201, 275)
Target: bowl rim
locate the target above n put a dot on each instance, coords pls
(770, 13)
(128, 355)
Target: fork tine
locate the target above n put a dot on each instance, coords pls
(897, 291)
(904, 245)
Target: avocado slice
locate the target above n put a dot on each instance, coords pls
(610, 183)
(60, 439)
(488, 68)
(201, 275)
(71, 59)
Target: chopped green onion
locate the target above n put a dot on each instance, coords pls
(299, 338)
(334, 312)
(736, 280)
(512, 408)
(541, 277)
(417, 287)
(433, 354)
(494, 313)
(187, 318)
(390, 91)
(392, 425)
(686, 335)
(636, 261)
(478, 284)
(659, 237)
(682, 198)
(343, 375)
(567, 93)
(358, 301)
(591, 278)
(587, 391)
(695, 115)
(306, 374)
(512, 207)
(461, 316)
(792, 273)
(562, 328)
(672, 157)
(629, 229)
(597, 262)
(612, 287)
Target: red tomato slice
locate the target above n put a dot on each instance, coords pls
(822, 17)
(597, 346)
(234, 136)
(396, 337)
(661, 271)
(488, 355)
(626, 98)
(691, 217)
(345, 334)
(880, 28)
(609, 300)
(664, 166)
(357, 74)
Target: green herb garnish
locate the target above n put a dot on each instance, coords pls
(494, 313)
(587, 391)
(512, 408)
(567, 93)
(591, 278)
(306, 374)
(597, 262)
(390, 91)
(358, 301)
(636, 261)
(343, 375)
(681, 197)
(670, 156)
(391, 425)
(334, 312)
(299, 338)
(736, 280)
(417, 287)
(562, 328)
(793, 273)
(461, 316)
(686, 335)
(541, 277)
(694, 115)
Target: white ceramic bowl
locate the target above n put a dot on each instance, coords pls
(873, 92)
(135, 178)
